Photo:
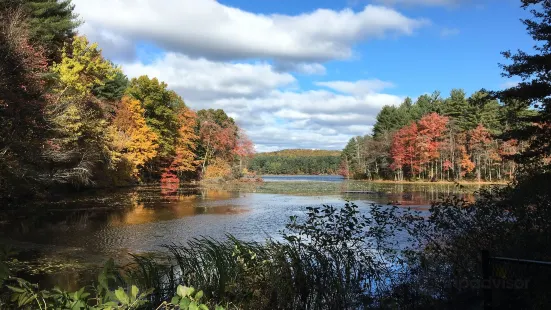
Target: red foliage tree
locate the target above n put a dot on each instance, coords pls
(431, 129)
(404, 149)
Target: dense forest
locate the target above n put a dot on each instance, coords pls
(436, 138)
(71, 118)
(296, 161)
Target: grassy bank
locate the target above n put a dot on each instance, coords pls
(463, 182)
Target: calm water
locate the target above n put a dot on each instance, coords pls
(303, 178)
(94, 226)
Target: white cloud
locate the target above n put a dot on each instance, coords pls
(421, 2)
(201, 79)
(212, 30)
(304, 68)
(114, 46)
(448, 32)
(310, 119)
(358, 87)
(264, 102)
(199, 38)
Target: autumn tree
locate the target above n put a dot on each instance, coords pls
(134, 140)
(218, 135)
(431, 132)
(244, 147)
(404, 150)
(23, 130)
(479, 140)
(81, 138)
(185, 160)
(161, 106)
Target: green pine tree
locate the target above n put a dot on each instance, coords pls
(534, 90)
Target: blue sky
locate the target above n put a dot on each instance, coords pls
(308, 74)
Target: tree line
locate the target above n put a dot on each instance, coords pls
(71, 118)
(296, 161)
(436, 138)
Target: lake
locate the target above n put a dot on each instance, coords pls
(88, 228)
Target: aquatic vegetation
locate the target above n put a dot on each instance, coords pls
(113, 291)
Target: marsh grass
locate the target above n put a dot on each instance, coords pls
(334, 259)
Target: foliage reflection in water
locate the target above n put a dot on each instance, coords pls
(89, 228)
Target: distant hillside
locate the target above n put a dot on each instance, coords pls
(296, 161)
(301, 153)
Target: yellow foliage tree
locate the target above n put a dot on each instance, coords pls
(134, 140)
(81, 68)
(218, 168)
(81, 142)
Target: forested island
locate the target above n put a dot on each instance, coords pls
(296, 161)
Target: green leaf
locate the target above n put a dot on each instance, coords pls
(175, 300)
(193, 306)
(16, 289)
(184, 303)
(203, 307)
(219, 308)
(135, 291)
(121, 296)
(181, 290)
(199, 295)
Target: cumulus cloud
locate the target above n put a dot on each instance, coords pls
(266, 104)
(304, 68)
(216, 56)
(421, 2)
(212, 30)
(202, 79)
(358, 87)
(114, 46)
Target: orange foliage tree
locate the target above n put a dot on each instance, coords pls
(135, 141)
(186, 143)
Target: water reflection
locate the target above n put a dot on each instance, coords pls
(420, 196)
(96, 225)
(97, 210)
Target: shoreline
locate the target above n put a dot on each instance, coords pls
(435, 183)
(462, 182)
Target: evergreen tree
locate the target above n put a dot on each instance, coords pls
(52, 23)
(426, 104)
(456, 107)
(535, 88)
(483, 110)
(391, 118)
(112, 90)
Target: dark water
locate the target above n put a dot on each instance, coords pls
(91, 227)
